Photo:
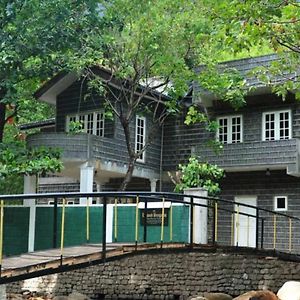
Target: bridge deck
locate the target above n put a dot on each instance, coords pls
(49, 261)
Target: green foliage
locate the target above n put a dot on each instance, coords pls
(17, 160)
(75, 127)
(195, 116)
(13, 184)
(197, 174)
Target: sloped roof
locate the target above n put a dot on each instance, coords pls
(63, 80)
(245, 67)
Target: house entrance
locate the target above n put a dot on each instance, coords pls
(244, 226)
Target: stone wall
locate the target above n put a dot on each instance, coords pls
(167, 275)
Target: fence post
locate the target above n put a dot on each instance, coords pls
(262, 233)
(136, 222)
(30, 187)
(54, 241)
(62, 235)
(199, 220)
(104, 228)
(257, 228)
(145, 220)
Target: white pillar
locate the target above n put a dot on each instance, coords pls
(109, 222)
(86, 182)
(3, 292)
(153, 184)
(200, 215)
(30, 188)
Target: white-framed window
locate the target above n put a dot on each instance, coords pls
(280, 203)
(140, 136)
(92, 122)
(277, 125)
(230, 129)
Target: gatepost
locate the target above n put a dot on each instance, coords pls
(200, 214)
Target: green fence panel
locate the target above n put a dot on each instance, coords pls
(16, 226)
(126, 216)
(75, 226)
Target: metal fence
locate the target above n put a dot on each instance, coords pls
(224, 218)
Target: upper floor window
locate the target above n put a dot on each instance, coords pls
(91, 123)
(230, 129)
(277, 125)
(140, 136)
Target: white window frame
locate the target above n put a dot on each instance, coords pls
(85, 121)
(144, 137)
(275, 203)
(229, 128)
(276, 122)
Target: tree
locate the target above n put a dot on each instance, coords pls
(251, 28)
(149, 46)
(272, 26)
(37, 38)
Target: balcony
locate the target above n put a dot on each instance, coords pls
(282, 154)
(108, 154)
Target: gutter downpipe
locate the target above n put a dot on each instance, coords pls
(161, 157)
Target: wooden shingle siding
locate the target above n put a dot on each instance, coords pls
(180, 140)
(112, 145)
(265, 187)
(72, 146)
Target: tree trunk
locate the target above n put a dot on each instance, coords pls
(131, 154)
(2, 120)
(128, 175)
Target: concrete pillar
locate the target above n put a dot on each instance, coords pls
(200, 215)
(30, 188)
(86, 182)
(153, 184)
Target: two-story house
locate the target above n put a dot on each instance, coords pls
(97, 157)
(260, 153)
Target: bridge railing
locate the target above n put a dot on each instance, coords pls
(156, 217)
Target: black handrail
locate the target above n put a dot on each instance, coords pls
(133, 194)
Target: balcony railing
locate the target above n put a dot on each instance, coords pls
(254, 155)
(112, 152)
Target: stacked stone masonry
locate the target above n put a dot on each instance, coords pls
(169, 276)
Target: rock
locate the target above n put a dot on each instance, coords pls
(289, 291)
(245, 296)
(14, 297)
(77, 296)
(257, 295)
(264, 295)
(196, 298)
(217, 296)
(61, 298)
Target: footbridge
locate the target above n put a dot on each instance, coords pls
(42, 239)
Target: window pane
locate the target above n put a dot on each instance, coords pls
(90, 122)
(140, 136)
(99, 126)
(236, 129)
(269, 126)
(284, 125)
